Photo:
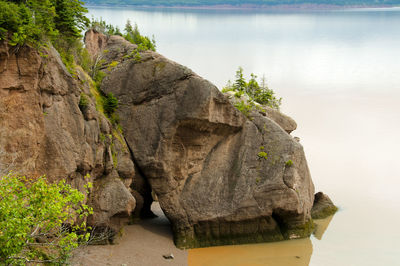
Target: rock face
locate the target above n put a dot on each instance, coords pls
(43, 131)
(220, 177)
(108, 51)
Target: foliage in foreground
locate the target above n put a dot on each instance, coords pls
(257, 92)
(39, 221)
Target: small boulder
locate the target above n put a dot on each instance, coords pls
(322, 207)
(111, 198)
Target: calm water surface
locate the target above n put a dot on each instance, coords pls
(338, 73)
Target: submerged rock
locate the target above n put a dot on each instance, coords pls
(220, 177)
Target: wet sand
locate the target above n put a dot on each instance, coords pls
(142, 244)
(145, 243)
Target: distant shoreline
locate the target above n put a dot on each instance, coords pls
(301, 7)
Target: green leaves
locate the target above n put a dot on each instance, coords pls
(243, 107)
(262, 154)
(32, 210)
(70, 17)
(257, 92)
(240, 83)
(31, 20)
(110, 104)
(83, 102)
(100, 25)
(133, 35)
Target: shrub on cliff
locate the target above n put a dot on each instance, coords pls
(133, 35)
(110, 104)
(100, 25)
(39, 220)
(257, 92)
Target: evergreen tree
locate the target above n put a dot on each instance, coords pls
(26, 21)
(70, 18)
(259, 94)
(240, 82)
(133, 35)
(252, 87)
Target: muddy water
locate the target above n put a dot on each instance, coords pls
(339, 76)
(295, 252)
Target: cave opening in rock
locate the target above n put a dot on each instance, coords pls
(148, 214)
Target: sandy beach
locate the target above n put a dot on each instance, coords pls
(141, 244)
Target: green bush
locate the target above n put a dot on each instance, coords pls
(289, 163)
(244, 108)
(110, 104)
(262, 154)
(257, 92)
(100, 25)
(83, 58)
(98, 78)
(133, 35)
(39, 221)
(17, 24)
(83, 102)
(35, 20)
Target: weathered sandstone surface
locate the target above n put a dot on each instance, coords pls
(220, 177)
(44, 132)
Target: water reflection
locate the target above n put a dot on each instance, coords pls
(293, 252)
(320, 226)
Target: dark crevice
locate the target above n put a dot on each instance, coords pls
(145, 212)
(279, 222)
(134, 159)
(16, 60)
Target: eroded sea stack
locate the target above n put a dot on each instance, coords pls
(220, 177)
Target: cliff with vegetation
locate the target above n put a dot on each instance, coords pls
(118, 121)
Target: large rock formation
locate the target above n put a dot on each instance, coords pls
(220, 177)
(43, 131)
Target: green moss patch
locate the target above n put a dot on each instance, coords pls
(325, 212)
